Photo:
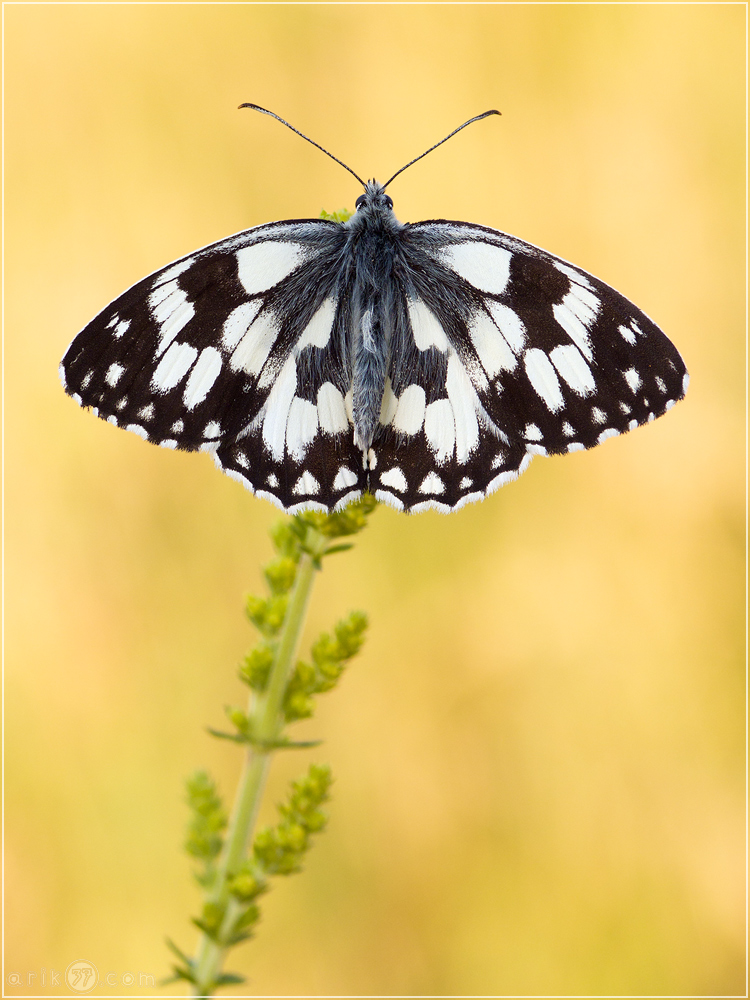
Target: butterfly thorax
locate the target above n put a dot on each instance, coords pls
(374, 245)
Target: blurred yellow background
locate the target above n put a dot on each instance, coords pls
(539, 754)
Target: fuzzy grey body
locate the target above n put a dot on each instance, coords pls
(373, 253)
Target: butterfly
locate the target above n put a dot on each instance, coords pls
(424, 363)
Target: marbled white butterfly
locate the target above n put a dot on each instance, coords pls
(425, 363)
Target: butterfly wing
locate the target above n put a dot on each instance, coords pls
(503, 352)
(237, 349)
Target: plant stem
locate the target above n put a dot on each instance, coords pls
(266, 722)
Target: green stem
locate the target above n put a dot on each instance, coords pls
(266, 722)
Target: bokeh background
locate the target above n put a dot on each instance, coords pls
(539, 754)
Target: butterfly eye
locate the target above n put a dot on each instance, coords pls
(389, 201)
(360, 201)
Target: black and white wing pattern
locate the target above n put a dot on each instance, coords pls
(236, 350)
(510, 353)
(423, 363)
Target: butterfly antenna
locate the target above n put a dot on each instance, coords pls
(475, 119)
(256, 107)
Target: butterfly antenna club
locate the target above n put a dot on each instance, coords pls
(278, 118)
(476, 118)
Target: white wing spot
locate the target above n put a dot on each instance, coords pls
(135, 428)
(567, 430)
(632, 425)
(212, 429)
(178, 320)
(272, 479)
(543, 379)
(575, 314)
(388, 404)
(432, 483)
(627, 334)
(173, 367)
(306, 485)
(121, 328)
(263, 265)
(202, 377)
(113, 374)
(409, 415)
(161, 293)
(574, 275)
(598, 416)
(331, 409)
(277, 410)
(624, 408)
(344, 479)
(532, 433)
(685, 382)
(584, 303)
(255, 345)
(572, 366)
(168, 443)
(121, 403)
(483, 265)
(317, 333)
(660, 384)
(465, 483)
(492, 349)
(425, 327)
(237, 322)
(465, 403)
(440, 429)
(147, 413)
(301, 427)
(633, 379)
(385, 497)
(395, 479)
(241, 459)
(610, 432)
(170, 308)
(575, 446)
(510, 325)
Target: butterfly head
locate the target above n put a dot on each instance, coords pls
(374, 204)
(374, 197)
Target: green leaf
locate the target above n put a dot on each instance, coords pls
(229, 979)
(343, 215)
